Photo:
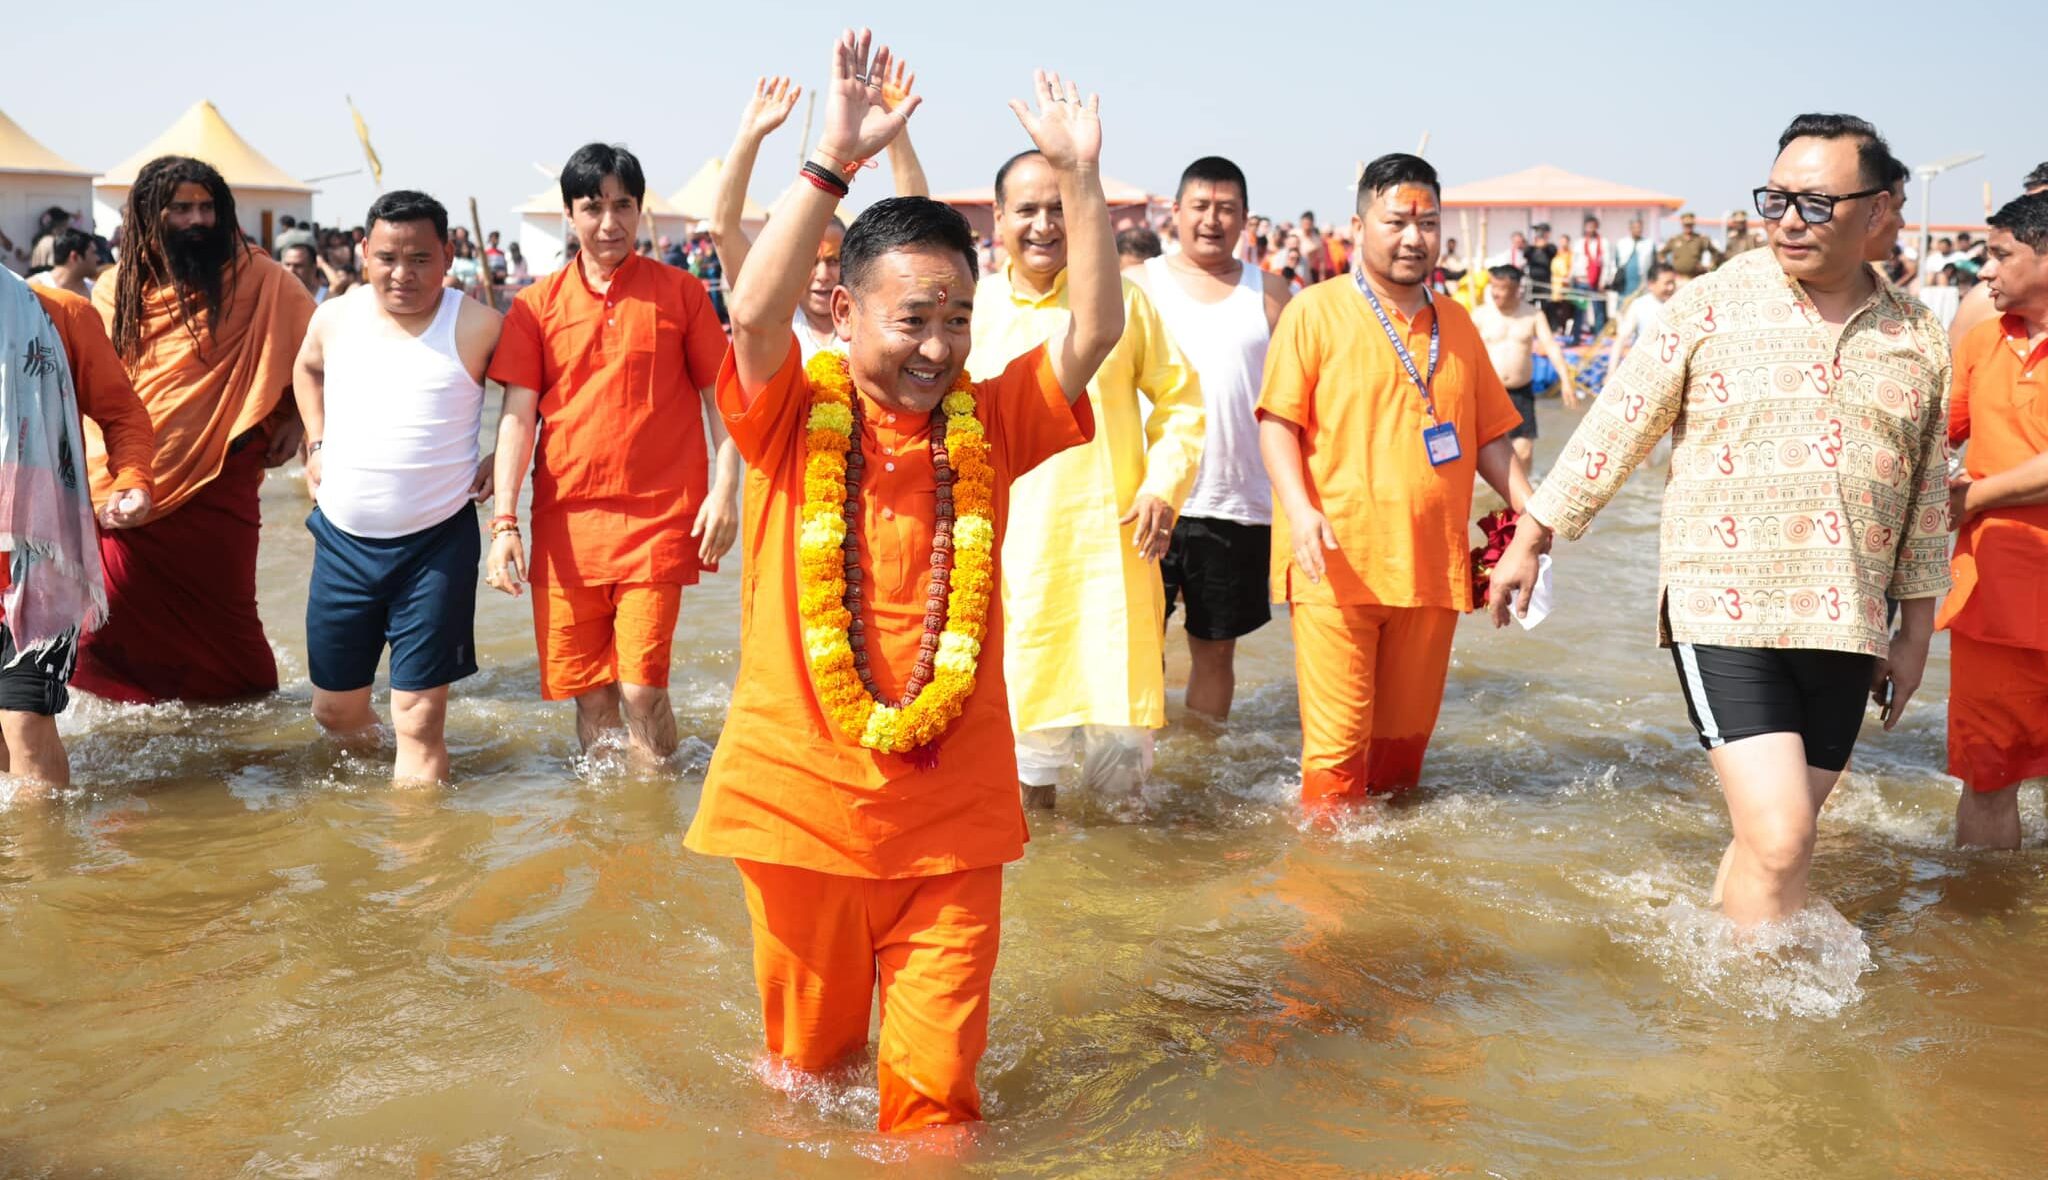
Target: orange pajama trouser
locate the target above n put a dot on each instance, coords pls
(591, 636)
(822, 941)
(1371, 680)
(1997, 713)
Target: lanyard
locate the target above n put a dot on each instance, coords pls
(1422, 384)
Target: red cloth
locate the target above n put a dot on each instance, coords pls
(181, 599)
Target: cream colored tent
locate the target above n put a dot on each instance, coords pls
(544, 229)
(34, 178)
(263, 191)
(693, 202)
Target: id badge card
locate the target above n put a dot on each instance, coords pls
(1441, 440)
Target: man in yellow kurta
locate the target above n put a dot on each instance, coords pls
(1085, 612)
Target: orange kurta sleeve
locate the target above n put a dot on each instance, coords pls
(1293, 359)
(106, 396)
(520, 358)
(1030, 419)
(763, 427)
(1969, 352)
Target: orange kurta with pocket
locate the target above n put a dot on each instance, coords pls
(622, 463)
(783, 788)
(1998, 611)
(1380, 622)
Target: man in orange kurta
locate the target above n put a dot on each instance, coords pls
(607, 366)
(1997, 614)
(862, 866)
(207, 327)
(33, 687)
(1372, 445)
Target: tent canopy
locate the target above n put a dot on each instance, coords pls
(202, 133)
(19, 152)
(1553, 188)
(697, 196)
(1118, 193)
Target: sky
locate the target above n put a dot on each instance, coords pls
(463, 100)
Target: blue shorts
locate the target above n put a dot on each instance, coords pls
(416, 593)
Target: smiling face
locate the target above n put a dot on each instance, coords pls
(909, 327)
(606, 224)
(1031, 222)
(404, 262)
(1399, 234)
(1209, 219)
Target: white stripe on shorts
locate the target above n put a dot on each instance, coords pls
(1697, 690)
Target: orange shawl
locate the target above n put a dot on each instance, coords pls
(201, 397)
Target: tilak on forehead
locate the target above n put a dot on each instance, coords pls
(1412, 199)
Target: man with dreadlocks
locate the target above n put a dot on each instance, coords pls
(207, 327)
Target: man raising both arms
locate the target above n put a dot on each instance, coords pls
(1513, 331)
(865, 782)
(1380, 407)
(616, 354)
(1221, 313)
(390, 386)
(1084, 631)
(1808, 484)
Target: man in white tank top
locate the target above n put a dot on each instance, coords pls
(1221, 312)
(390, 385)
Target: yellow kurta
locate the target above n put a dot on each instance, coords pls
(1084, 616)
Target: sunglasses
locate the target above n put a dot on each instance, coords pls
(1814, 208)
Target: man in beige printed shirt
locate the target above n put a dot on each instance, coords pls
(1807, 402)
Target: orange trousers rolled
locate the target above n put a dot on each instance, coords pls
(1997, 713)
(822, 942)
(1371, 681)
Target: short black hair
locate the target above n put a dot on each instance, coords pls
(69, 241)
(306, 246)
(1213, 170)
(1138, 242)
(407, 205)
(2038, 178)
(1003, 173)
(903, 223)
(1505, 273)
(1392, 169)
(1658, 270)
(2025, 218)
(1895, 175)
(583, 175)
(1871, 149)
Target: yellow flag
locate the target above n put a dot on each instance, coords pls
(369, 153)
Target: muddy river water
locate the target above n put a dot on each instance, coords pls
(232, 951)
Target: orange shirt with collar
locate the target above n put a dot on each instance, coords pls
(1403, 526)
(1998, 403)
(782, 787)
(104, 393)
(622, 464)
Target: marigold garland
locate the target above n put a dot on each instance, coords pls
(829, 577)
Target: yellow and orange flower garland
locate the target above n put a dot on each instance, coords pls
(824, 558)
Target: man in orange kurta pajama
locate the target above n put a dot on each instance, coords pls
(1372, 446)
(863, 866)
(1997, 614)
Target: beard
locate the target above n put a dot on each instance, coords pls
(198, 254)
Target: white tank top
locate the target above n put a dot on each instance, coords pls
(1226, 342)
(400, 452)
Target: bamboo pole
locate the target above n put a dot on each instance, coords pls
(483, 264)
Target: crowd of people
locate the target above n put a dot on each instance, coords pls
(974, 498)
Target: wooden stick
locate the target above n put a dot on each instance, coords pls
(483, 264)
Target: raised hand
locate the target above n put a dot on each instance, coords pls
(1067, 131)
(773, 100)
(897, 86)
(858, 122)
